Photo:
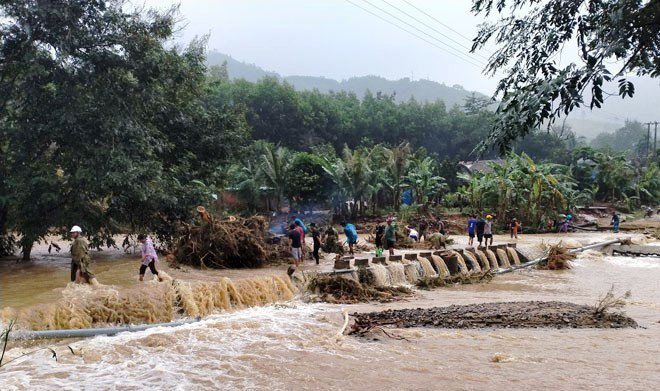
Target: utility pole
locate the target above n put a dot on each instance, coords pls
(655, 139)
(648, 138)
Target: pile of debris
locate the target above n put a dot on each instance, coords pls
(223, 243)
(440, 281)
(559, 258)
(532, 314)
(438, 241)
(331, 243)
(336, 289)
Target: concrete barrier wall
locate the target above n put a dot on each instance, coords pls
(443, 263)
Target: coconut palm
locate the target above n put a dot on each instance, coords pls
(275, 167)
(398, 160)
(353, 176)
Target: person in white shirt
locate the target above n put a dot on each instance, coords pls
(413, 234)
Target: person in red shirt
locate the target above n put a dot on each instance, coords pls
(515, 227)
(301, 231)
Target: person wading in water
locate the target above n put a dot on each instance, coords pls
(316, 237)
(351, 236)
(295, 244)
(299, 228)
(615, 222)
(149, 256)
(79, 257)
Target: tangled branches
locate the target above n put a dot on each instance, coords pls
(233, 243)
(559, 258)
(337, 289)
(610, 301)
(440, 281)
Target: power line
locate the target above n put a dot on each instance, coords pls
(415, 35)
(432, 17)
(424, 32)
(432, 28)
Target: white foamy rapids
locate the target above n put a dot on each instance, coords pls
(397, 273)
(594, 255)
(473, 262)
(462, 267)
(411, 272)
(418, 266)
(513, 255)
(84, 306)
(503, 258)
(634, 262)
(380, 275)
(440, 265)
(493, 259)
(484, 260)
(220, 352)
(428, 269)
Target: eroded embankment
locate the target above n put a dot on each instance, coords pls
(529, 314)
(85, 306)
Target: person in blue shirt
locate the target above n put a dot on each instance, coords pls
(299, 222)
(472, 225)
(351, 235)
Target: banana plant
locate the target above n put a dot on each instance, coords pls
(423, 181)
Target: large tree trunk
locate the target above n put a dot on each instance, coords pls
(26, 248)
(397, 200)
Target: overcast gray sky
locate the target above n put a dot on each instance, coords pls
(335, 39)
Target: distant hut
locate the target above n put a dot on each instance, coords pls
(479, 166)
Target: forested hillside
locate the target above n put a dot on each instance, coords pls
(403, 89)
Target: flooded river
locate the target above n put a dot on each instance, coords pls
(294, 345)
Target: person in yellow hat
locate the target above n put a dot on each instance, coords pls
(488, 230)
(79, 257)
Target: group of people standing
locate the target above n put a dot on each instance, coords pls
(482, 228)
(385, 238)
(296, 234)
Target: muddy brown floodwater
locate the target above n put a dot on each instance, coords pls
(294, 345)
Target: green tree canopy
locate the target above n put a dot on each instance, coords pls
(613, 38)
(103, 124)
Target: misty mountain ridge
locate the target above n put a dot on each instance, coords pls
(403, 89)
(584, 122)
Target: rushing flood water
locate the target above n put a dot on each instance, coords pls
(295, 346)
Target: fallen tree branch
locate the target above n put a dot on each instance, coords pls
(340, 333)
(575, 250)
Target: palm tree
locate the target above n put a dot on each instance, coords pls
(398, 161)
(275, 167)
(353, 176)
